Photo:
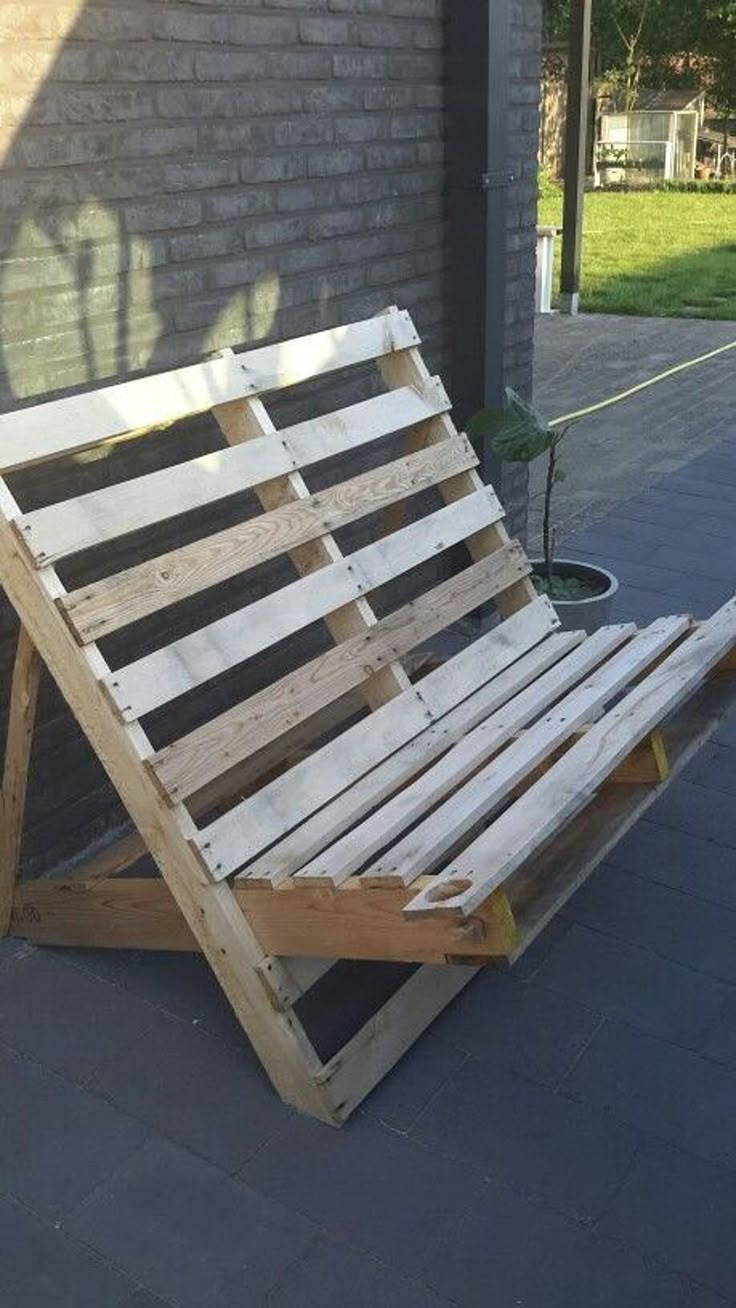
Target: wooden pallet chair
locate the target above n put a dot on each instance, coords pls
(441, 826)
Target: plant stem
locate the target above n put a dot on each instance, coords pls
(546, 533)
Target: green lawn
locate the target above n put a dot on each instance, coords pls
(669, 254)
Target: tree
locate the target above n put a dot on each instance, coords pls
(661, 42)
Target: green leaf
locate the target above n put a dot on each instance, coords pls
(560, 474)
(517, 432)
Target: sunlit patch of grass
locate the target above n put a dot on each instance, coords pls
(665, 254)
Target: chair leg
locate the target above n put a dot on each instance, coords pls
(21, 718)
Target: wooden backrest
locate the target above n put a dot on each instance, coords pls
(331, 586)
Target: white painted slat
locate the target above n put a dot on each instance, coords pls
(347, 855)
(190, 763)
(428, 842)
(105, 606)
(569, 785)
(157, 678)
(77, 524)
(318, 832)
(257, 822)
(76, 422)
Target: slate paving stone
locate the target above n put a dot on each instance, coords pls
(635, 986)
(57, 1141)
(726, 733)
(180, 984)
(700, 480)
(665, 582)
(721, 1043)
(40, 1267)
(639, 606)
(402, 1096)
(679, 503)
(700, 1298)
(475, 1243)
(642, 530)
(11, 949)
(682, 1210)
(675, 858)
(645, 913)
(206, 1094)
(142, 1299)
(659, 1088)
(65, 1018)
(529, 963)
(715, 767)
(695, 563)
(518, 1025)
(665, 515)
(333, 1276)
(605, 545)
(529, 1139)
(189, 1232)
(698, 811)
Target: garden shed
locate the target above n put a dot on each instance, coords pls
(655, 141)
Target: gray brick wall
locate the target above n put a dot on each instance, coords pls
(180, 176)
(524, 88)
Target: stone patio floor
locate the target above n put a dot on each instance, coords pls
(563, 1137)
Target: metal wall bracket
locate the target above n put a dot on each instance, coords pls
(497, 180)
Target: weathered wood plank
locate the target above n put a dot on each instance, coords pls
(397, 767)
(247, 421)
(365, 1060)
(288, 801)
(141, 913)
(436, 836)
(407, 368)
(474, 749)
(157, 678)
(569, 785)
(77, 524)
(75, 423)
(206, 752)
(542, 885)
(105, 606)
(18, 743)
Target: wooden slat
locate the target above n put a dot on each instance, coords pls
(159, 677)
(407, 368)
(542, 885)
(326, 825)
(105, 606)
(474, 748)
(206, 752)
(66, 528)
(569, 785)
(287, 801)
(75, 423)
(140, 913)
(436, 836)
(249, 420)
(19, 738)
(379, 1044)
(127, 849)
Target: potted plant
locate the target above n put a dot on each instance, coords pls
(581, 593)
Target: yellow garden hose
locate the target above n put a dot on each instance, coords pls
(632, 390)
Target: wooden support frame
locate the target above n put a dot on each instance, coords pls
(21, 717)
(271, 938)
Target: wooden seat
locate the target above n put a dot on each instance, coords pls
(309, 785)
